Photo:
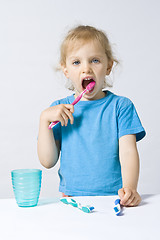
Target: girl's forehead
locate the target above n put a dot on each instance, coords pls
(77, 45)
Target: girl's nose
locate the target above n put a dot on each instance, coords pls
(86, 68)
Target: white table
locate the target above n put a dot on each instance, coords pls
(52, 219)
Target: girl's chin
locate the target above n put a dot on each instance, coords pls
(94, 96)
(90, 96)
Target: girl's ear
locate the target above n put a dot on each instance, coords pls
(109, 67)
(65, 71)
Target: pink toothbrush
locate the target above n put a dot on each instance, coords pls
(88, 88)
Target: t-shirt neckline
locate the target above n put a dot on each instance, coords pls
(97, 101)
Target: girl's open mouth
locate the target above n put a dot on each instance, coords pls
(85, 83)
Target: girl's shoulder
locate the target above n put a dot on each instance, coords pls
(121, 101)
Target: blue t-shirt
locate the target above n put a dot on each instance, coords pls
(89, 162)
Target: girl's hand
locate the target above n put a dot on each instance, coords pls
(129, 197)
(61, 113)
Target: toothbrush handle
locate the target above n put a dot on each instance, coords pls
(79, 97)
(52, 124)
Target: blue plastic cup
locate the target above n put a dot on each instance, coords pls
(26, 186)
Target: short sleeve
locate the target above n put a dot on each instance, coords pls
(129, 121)
(57, 128)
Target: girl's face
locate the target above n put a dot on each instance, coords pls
(88, 62)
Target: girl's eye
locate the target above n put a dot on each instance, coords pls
(95, 60)
(76, 62)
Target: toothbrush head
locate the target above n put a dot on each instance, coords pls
(90, 85)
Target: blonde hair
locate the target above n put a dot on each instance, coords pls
(83, 34)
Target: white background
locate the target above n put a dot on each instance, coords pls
(30, 36)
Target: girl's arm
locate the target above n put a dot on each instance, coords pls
(129, 160)
(48, 149)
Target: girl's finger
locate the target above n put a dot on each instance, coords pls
(62, 119)
(136, 201)
(133, 203)
(127, 195)
(69, 107)
(65, 119)
(121, 193)
(130, 200)
(69, 115)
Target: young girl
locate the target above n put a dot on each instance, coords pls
(96, 137)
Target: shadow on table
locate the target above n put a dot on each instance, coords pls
(47, 201)
(144, 198)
